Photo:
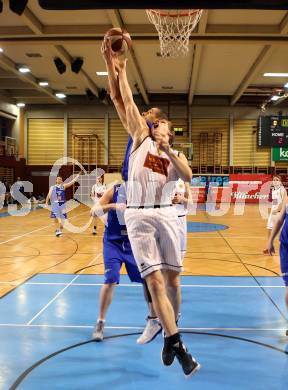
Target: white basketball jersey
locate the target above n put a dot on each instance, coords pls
(180, 189)
(98, 190)
(151, 176)
(277, 197)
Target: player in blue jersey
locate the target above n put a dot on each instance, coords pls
(281, 221)
(116, 251)
(57, 197)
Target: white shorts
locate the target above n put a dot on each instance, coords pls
(273, 218)
(183, 235)
(154, 238)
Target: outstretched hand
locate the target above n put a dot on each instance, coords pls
(270, 250)
(106, 51)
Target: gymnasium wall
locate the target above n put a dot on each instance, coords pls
(96, 149)
(45, 141)
(245, 150)
(240, 121)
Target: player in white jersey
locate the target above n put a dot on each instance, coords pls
(97, 192)
(180, 200)
(153, 326)
(151, 221)
(278, 198)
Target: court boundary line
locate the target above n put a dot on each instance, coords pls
(140, 285)
(36, 230)
(52, 326)
(59, 293)
(255, 278)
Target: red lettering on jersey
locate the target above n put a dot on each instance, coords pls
(157, 164)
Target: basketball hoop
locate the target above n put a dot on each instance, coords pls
(174, 28)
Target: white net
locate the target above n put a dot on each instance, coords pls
(174, 28)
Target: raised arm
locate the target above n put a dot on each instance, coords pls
(136, 125)
(114, 89)
(67, 185)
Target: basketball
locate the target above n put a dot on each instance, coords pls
(120, 40)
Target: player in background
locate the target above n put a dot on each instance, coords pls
(57, 198)
(97, 192)
(116, 251)
(278, 199)
(181, 200)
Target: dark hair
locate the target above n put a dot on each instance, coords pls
(100, 178)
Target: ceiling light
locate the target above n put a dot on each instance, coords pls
(102, 73)
(1, 50)
(276, 74)
(23, 69)
(275, 98)
(20, 104)
(60, 95)
(43, 83)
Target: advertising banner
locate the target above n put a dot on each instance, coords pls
(240, 188)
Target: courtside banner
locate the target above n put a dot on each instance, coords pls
(202, 186)
(198, 194)
(249, 188)
(240, 188)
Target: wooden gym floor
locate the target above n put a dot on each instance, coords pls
(28, 246)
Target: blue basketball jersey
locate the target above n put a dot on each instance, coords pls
(58, 194)
(115, 228)
(125, 166)
(284, 231)
(126, 158)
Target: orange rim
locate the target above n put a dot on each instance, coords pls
(181, 15)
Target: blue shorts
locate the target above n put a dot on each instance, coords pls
(58, 210)
(284, 262)
(116, 253)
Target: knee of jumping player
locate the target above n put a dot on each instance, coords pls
(172, 279)
(155, 283)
